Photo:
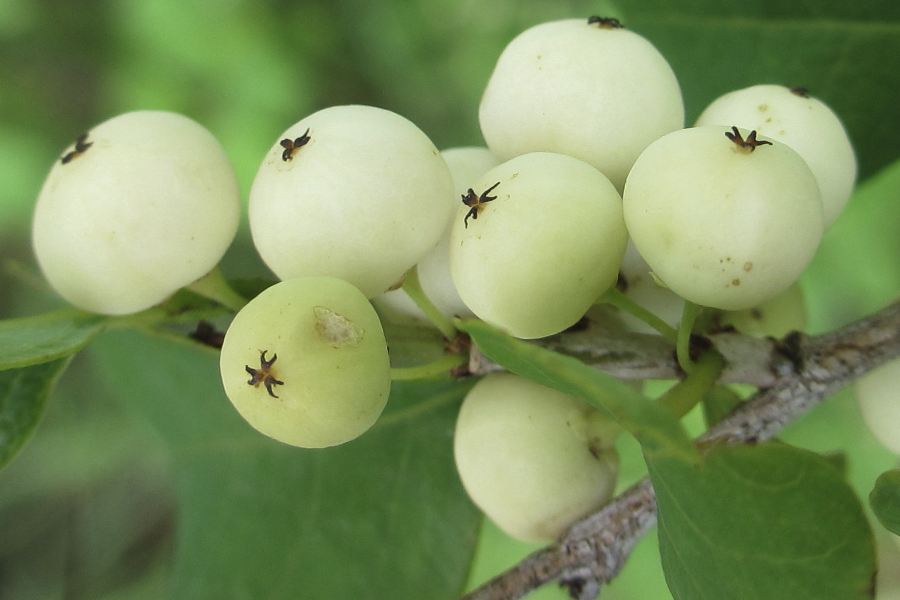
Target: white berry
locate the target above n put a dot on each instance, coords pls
(142, 205)
(466, 165)
(533, 459)
(878, 398)
(599, 93)
(639, 285)
(720, 223)
(805, 124)
(536, 257)
(355, 192)
(775, 317)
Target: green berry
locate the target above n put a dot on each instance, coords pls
(306, 363)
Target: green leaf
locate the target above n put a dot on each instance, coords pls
(381, 517)
(23, 395)
(762, 522)
(847, 54)
(885, 500)
(43, 338)
(657, 430)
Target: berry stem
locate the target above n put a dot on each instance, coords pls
(685, 328)
(413, 288)
(685, 394)
(438, 367)
(619, 300)
(213, 286)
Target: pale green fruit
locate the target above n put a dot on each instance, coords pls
(364, 199)
(533, 459)
(538, 256)
(149, 205)
(805, 124)
(878, 398)
(720, 225)
(600, 94)
(640, 286)
(332, 371)
(466, 165)
(775, 317)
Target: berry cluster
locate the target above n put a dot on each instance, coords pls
(586, 150)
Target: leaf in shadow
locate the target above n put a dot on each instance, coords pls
(23, 396)
(885, 500)
(383, 516)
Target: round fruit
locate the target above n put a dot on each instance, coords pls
(805, 124)
(775, 317)
(306, 363)
(637, 282)
(878, 398)
(140, 206)
(354, 192)
(723, 219)
(533, 459)
(586, 88)
(539, 239)
(466, 164)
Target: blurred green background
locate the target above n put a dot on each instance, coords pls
(87, 509)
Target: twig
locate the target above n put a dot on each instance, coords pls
(593, 551)
(628, 355)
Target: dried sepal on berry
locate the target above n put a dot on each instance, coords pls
(794, 117)
(81, 146)
(476, 203)
(605, 22)
(290, 145)
(747, 145)
(263, 375)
